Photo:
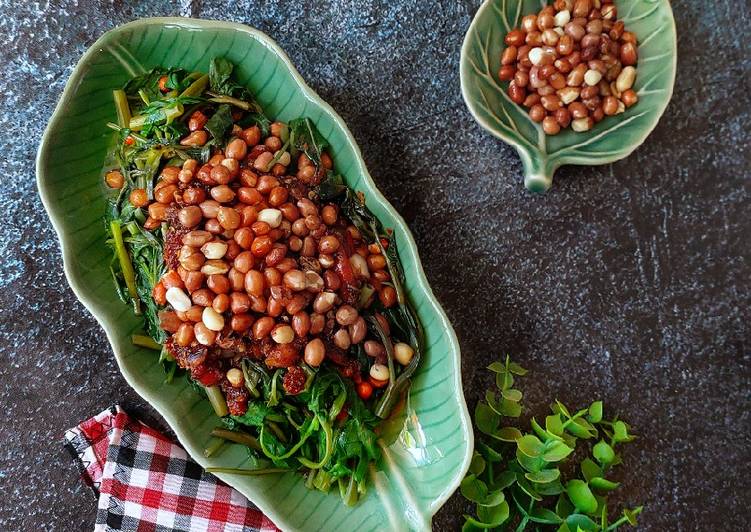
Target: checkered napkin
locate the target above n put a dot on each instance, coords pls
(145, 482)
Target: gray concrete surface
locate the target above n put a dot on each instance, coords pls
(629, 282)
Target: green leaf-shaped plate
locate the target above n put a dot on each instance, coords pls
(612, 139)
(428, 448)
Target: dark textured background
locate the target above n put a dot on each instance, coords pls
(629, 282)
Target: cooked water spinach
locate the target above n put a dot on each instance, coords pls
(259, 274)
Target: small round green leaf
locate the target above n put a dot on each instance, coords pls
(516, 369)
(497, 367)
(504, 380)
(581, 496)
(579, 521)
(531, 446)
(560, 407)
(544, 516)
(581, 428)
(553, 424)
(590, 470)
(508, 434)
(603, 484)
(471, 526)
(555, 451)
(486, 419)
(551, 488)
(529, 463)
(630, 515)
(493, 516)
(543, 476)
(541, 432)
(473, 489)
(595, 412)
(563, 507)
(527, 488)
(494, 498)
(510, 408)
(477, 466)
(490, 454)
(504, 480)
(512, 395)
(603, 452)
(620, 431)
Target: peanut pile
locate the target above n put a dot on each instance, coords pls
(571, 64)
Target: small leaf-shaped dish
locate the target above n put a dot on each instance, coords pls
(427, 449)
(612, 139)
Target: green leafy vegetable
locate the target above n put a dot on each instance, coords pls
(325, 432)
(220, 124)
(511, 465)
(304, 137)
(222, 83)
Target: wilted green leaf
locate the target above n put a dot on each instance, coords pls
(494, 498)
(543, 476)
(581, 496)
(595, 412)
(527, 487)
(510, 408)
(504, 480)
(551, 488)
(563, 507)
(497, 367)
(529, 463)
(490, 454)
(477, 466)
(603, 452)
(590, 470)
(486, 419)
(493, 515)
(541, 432)
(582, 522)
(581, 428)
(554, 425)
(531, 446)
(555, 451)
(471, 526)
(631, 514)
(544, 516)
(504, 380)
(559, 407)
(508, 434)
(569, 439)
(473, 488)
(620, 432)
(603, 484)
(512, 395)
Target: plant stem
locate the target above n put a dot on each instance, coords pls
(216, 398)
(247, 472)
(213, 447)
(196, 88)
(237, 437)
(123, 109)
(623, 520)
(329, 447)
(125, 264)
(145, 341)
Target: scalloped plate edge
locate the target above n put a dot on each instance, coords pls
(309, 93)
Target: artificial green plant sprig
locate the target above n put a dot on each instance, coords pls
(514, 478)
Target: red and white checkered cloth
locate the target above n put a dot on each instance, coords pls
(145, 482)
